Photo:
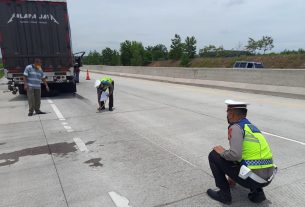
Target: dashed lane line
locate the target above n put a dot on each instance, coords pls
(67, 127)
(119, 200)
(57, 112)
(80, 144)
(61, 117)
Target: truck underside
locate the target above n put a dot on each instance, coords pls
(59, 82)
(55, 88)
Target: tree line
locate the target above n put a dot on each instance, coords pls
(133, 53)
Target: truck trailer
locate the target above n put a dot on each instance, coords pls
(32, 29)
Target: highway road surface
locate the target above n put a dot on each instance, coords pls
(151, 151)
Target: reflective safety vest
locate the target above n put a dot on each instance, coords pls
(106, 81)
(256, 153)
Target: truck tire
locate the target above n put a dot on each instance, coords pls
(70, 87)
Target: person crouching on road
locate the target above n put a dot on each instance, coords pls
(33, 75)
(102, 85)
(248, 161)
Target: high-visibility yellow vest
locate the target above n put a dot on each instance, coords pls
(106, 81)
(256, 153)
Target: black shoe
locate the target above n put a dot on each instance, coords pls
(100, 108)
(221, 196)
(30, 114)
(110, 109)
(40, 112)
(257, 196)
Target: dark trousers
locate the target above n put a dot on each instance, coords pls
(76, 77)
(221, 167)
(34, 99)
(110, 98)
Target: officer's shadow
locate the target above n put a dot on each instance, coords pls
(240, 198)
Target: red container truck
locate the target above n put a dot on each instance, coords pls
(32, 29)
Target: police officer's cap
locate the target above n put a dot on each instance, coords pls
(236, 104)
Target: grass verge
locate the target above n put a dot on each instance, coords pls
(292, 61)
(1, 71)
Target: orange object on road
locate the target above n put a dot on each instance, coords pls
(87, 77)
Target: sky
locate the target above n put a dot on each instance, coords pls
(97, 24)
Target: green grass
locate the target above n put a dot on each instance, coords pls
(1, 71)
(291, 61)
(270, 61)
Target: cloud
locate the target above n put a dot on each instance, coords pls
(104, 23)
(234, 2)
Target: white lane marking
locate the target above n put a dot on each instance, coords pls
(60, 116)
(80, 144)
(291, 140)
(57, 112)
(119, 200)
(67, 127)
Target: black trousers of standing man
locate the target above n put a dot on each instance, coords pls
(221, 167)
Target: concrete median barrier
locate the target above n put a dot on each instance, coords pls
(278, 82)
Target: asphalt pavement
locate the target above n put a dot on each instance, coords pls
(151, 151)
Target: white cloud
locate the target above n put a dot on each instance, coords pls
(234, 2)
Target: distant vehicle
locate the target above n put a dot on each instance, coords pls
(248, 65)
(37, 29)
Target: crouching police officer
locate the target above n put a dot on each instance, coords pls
(248, 161)
(102, 85)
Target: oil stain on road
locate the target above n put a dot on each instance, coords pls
(94, 162)
(58, 149)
